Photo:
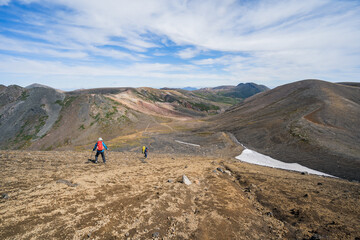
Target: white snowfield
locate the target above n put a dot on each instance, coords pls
(253, 157)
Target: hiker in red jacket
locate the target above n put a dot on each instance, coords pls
(100, 146)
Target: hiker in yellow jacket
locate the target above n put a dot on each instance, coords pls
(145, 151)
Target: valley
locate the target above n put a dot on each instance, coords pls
(51, 188)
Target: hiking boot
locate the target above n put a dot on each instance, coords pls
(96, 162)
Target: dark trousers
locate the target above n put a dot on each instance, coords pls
(102, 155)
(145, 153)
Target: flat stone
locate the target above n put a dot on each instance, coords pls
(186, 180)
(70, 184)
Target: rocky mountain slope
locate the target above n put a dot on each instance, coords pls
(64, 195)
(311, 122)
(39, 117)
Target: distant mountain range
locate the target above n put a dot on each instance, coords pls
(235, 93)
(189, 88)
(40, 117)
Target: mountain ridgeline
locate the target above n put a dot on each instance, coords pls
(39, 117)
(311, 122)
(231, 94)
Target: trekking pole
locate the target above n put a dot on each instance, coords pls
(91, 154)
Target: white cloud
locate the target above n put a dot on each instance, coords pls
(4, 2)
(268, 41)
(188, 53)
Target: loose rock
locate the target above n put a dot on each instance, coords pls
(4, 196)
(220, 170)
(186, 180)
(315, 237)
(70, 184)
(270, 214)
(156, 234)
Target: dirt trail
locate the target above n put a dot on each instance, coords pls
(129, 198)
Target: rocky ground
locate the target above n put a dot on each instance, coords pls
(64, 195)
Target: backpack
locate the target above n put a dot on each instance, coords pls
(100, 146)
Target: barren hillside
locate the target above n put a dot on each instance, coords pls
(63, 195)
(43, 118)
(311, 122)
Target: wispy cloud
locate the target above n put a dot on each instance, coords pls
(272, 42)
(188, 53)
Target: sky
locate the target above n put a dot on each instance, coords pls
(72, 44)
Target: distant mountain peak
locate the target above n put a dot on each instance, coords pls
(190, 88)
(37, 85)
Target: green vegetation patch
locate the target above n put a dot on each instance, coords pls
(66, 102)
(59, 102)
(204, 106)
(296, 132)
(24, 95)
(57, 122)
(218, 98)
(109, 114)
(113, 101)
(42, 121)
(23, 137)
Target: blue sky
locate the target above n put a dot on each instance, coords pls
(70, 44)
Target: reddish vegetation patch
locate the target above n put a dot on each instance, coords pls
(312, 117)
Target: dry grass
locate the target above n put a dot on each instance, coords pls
(127, 198)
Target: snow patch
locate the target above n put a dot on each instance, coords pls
(191, 144)
(253, 157)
